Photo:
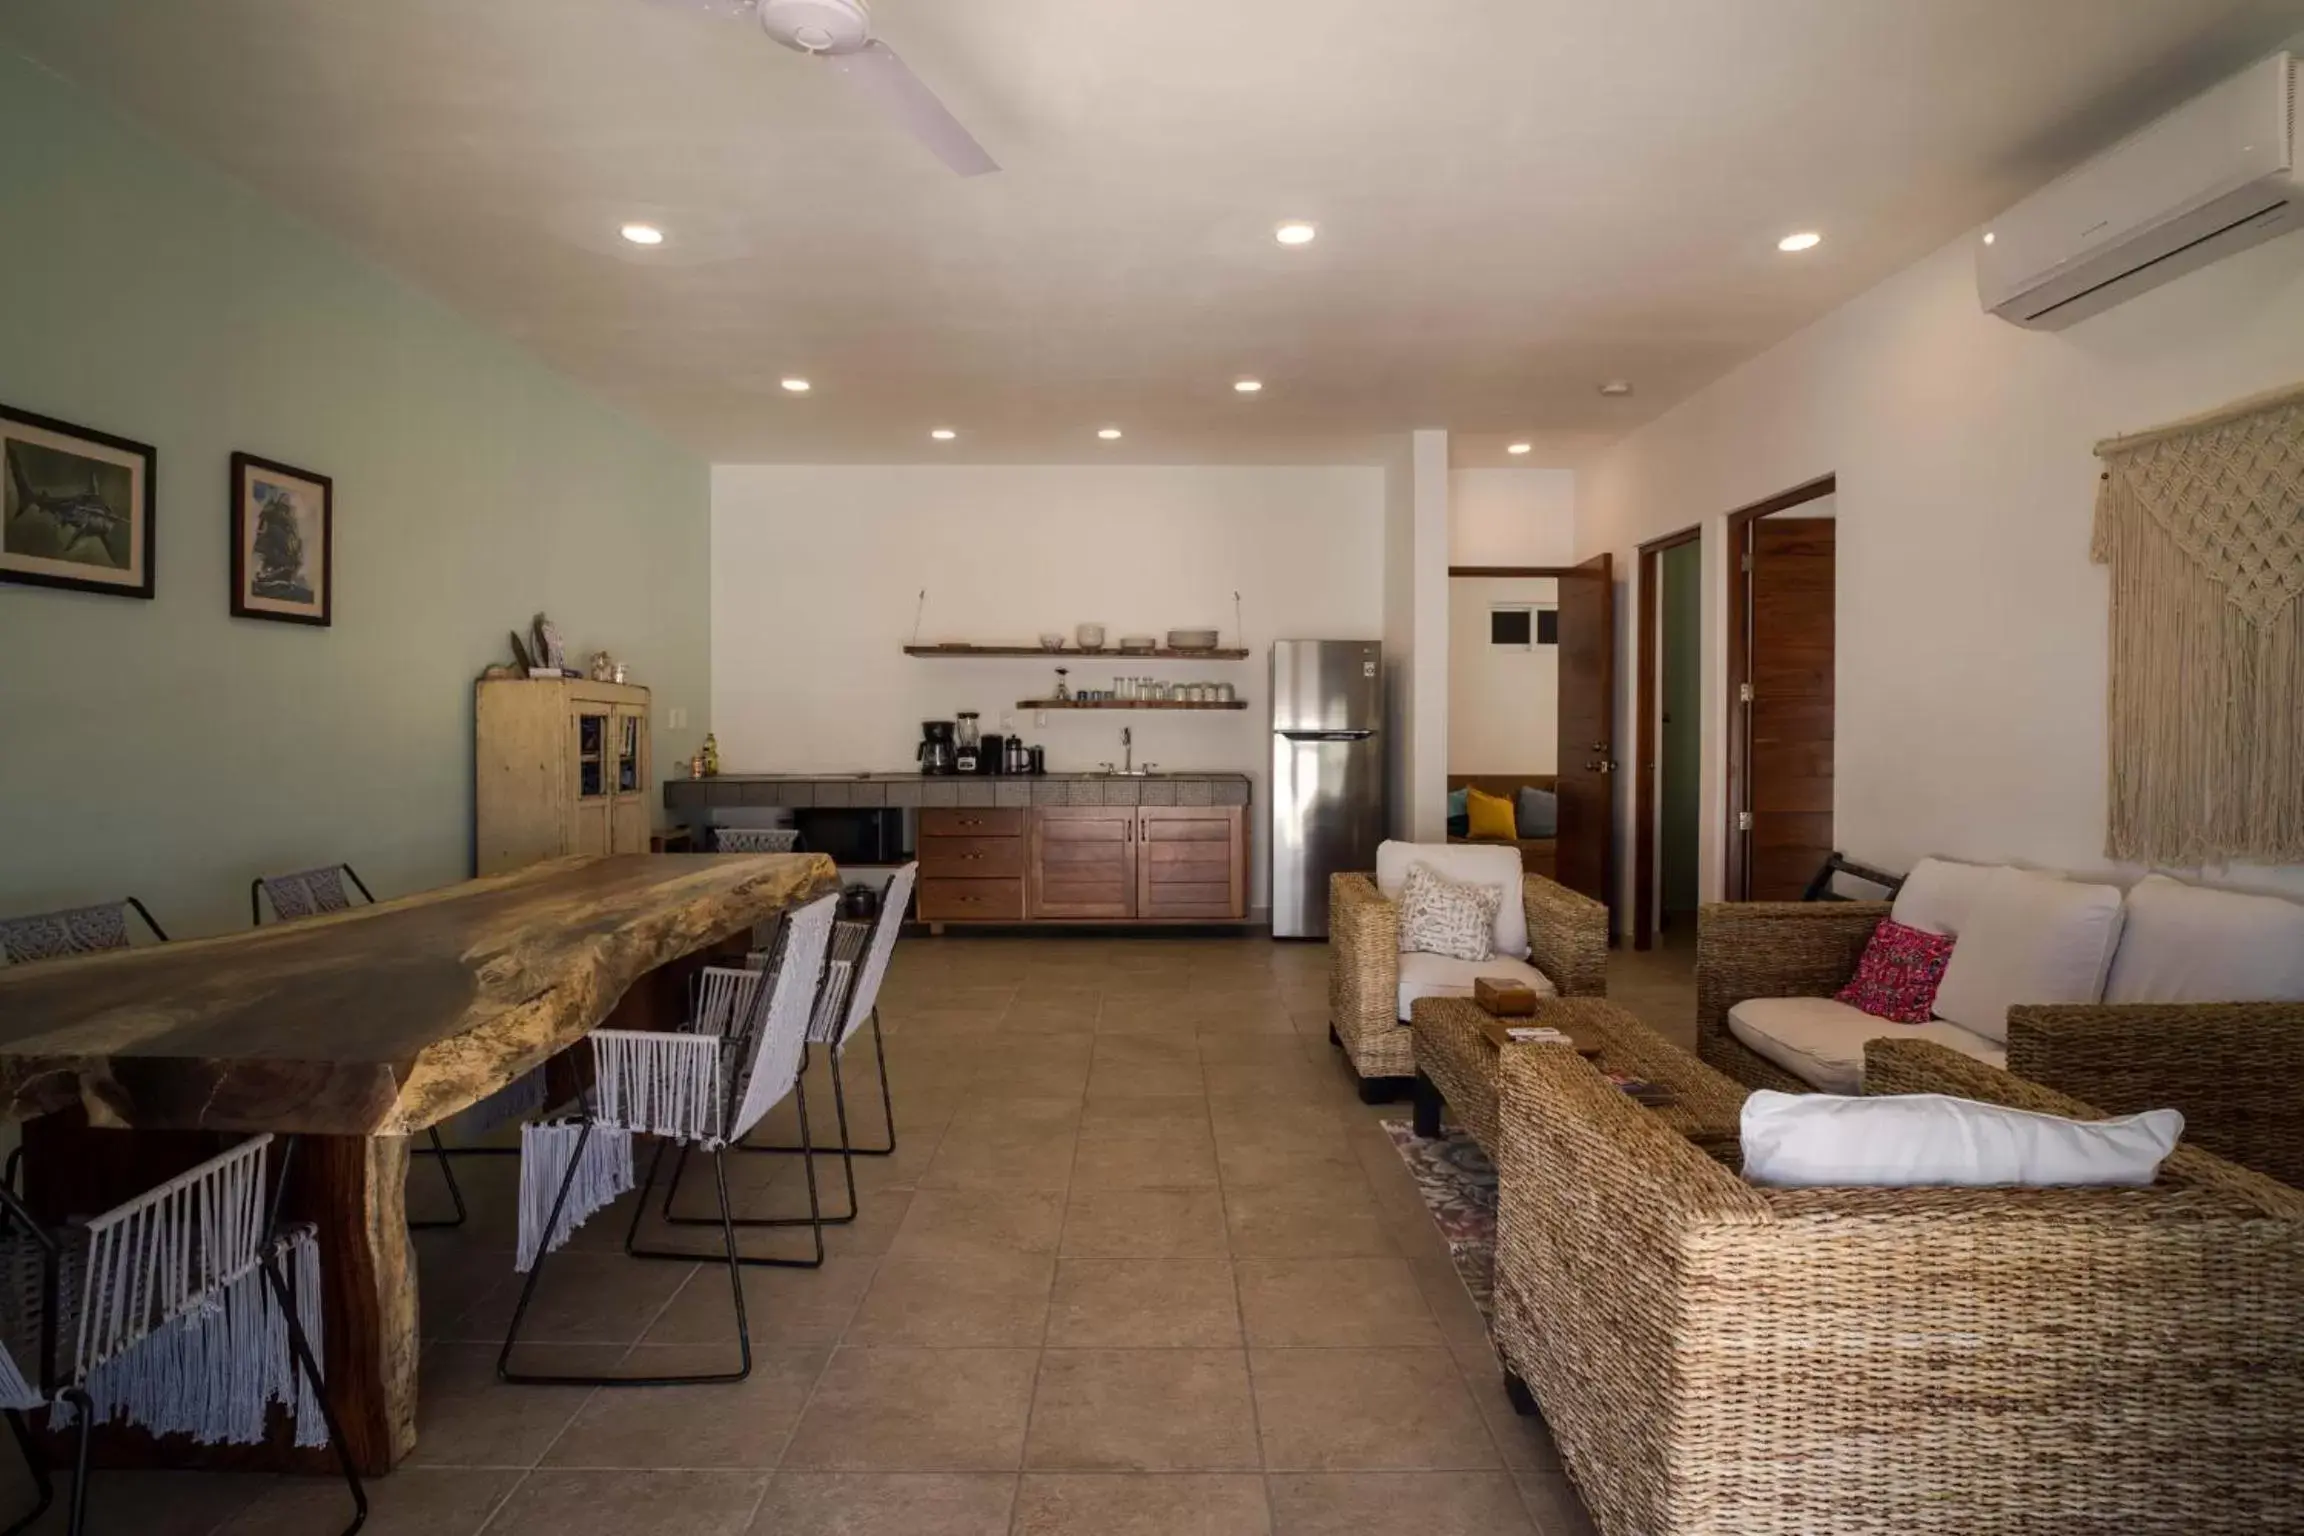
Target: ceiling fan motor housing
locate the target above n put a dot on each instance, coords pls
(817, 26)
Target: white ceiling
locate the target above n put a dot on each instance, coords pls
(1517, 198)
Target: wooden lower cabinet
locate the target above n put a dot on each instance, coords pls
(1152, 863)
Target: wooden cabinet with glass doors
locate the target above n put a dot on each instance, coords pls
(559, 767)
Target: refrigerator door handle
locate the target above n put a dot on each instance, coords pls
(1325, 735)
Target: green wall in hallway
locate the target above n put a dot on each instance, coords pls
(168, 749)
(1680, 690)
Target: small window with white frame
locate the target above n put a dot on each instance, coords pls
(1523, 626)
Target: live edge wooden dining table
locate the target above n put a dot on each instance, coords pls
(352, 1031)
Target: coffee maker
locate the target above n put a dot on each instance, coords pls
(939, 747)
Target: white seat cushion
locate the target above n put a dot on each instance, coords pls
(2190, 944)
(1467, 864)
(1936, 896)
(1821, 1041)
(1923, 1139)
(1423, 975)
(2028, 938)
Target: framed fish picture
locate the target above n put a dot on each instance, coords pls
(76, 507)
(283, 542)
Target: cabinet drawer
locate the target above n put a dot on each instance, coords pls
(971, 857)
(948, 821)
(1198, 829)
(961, 901)
(1212, 899)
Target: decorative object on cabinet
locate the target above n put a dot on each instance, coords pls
(77, 509)
(604, 668)
(711, 756)
(561, 767)
(549, 650)
(520, 656)
(283, 543)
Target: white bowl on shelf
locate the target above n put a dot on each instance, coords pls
(1192, 639)
(1090, 636)
(1051, 642)
(1137, 645)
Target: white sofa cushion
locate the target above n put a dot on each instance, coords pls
(2028, 937)
(1424, 975)
(2190, 944)
(1905, 1140)
(1821, 1041)
(1936, 896)
(1468, 863)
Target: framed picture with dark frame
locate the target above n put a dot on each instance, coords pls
(76, 508)
(283, 542)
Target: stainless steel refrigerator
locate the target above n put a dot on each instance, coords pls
(1327, 774)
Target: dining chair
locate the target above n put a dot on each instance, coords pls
(185, 1311)
(72, 931)
(701, 1088)
(312, 893)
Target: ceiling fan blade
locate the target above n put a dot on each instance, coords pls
(876, 69)
(730, 10)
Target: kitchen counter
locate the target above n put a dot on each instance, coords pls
(730, 791)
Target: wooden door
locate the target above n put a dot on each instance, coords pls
(1190, 863)
(590, 800)
(1788, 716)
(629, 816)
(1585, 848)
(1084, 861)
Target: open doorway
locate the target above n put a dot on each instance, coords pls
(1667, 809)
(1782, 660)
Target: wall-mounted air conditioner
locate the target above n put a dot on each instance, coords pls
(2216, 175)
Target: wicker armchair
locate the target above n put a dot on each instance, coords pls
(1567, 941)
(1750, 949)
(1717, 1358)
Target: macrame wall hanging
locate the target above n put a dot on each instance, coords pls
(2202, 523)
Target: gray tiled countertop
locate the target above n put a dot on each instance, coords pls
(731, 791)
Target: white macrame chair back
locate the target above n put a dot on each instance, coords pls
(755, 839)
(864, 993)
(850, 940)
(722, 993)
(72, 931)
(784, 1004)
(308, 892)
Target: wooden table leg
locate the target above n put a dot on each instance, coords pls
(353, 1188)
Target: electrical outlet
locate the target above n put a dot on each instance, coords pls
(1039, 718)
(676, 719)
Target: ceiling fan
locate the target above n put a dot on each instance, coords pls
(840, 33)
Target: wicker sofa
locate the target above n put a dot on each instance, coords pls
(2236, 1070)
(1727, 1360)
(1567, 944)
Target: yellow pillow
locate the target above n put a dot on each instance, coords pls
(1490, 815)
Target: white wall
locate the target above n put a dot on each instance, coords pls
(1503, 703)
(1971, 624)
(1511, 517)
(1416, 636)
(816, 572)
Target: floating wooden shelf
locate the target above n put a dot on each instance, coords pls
(1074, 653)
(1131, 703)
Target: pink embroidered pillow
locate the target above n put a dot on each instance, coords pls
(1898, 976)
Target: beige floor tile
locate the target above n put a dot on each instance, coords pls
(465, 1417)
(169, 1503)
(1428, 1503)
(983, 1300)
(1553, 1505)
(981, 1116)
(1452, 1306)
(1174, 1154)
(414, 1501)
(1145, 1223)
(1142, 1079)
(1024, 1158)
(967, 1223)
(1333, 1301)
(887, 1504)
(1280, 1053)
(1141, 1504)
(1143, 1303)
(1001, 1079)
(1329, 1219)
(1337, 1410)
(785, 1308)
(736, 1426)
(631, 1503)
(917, 1410)
(581, 1298)
(1142, 1410)
(1133, 1111)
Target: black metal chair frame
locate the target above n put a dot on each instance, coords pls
(84, 1408)
(1820, 887)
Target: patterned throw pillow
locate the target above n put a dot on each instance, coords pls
(1440, 917)
(1899, 974)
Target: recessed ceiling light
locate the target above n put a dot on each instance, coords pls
(1616, 387)
(1108, 433)
(1247, 386)
(1518, 447)
(642, 234)
(796, 386)
(1806, 240)
(1987, 237)
(1295, 232)
(943, 434)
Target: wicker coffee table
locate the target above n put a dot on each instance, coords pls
(1455, 1044)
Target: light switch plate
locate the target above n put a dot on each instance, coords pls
(675, 719)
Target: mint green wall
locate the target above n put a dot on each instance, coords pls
(167, 749)
(1680, 688)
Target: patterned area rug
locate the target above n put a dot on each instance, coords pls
(1459, 1188)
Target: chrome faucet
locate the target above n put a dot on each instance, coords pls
(1127, 749)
